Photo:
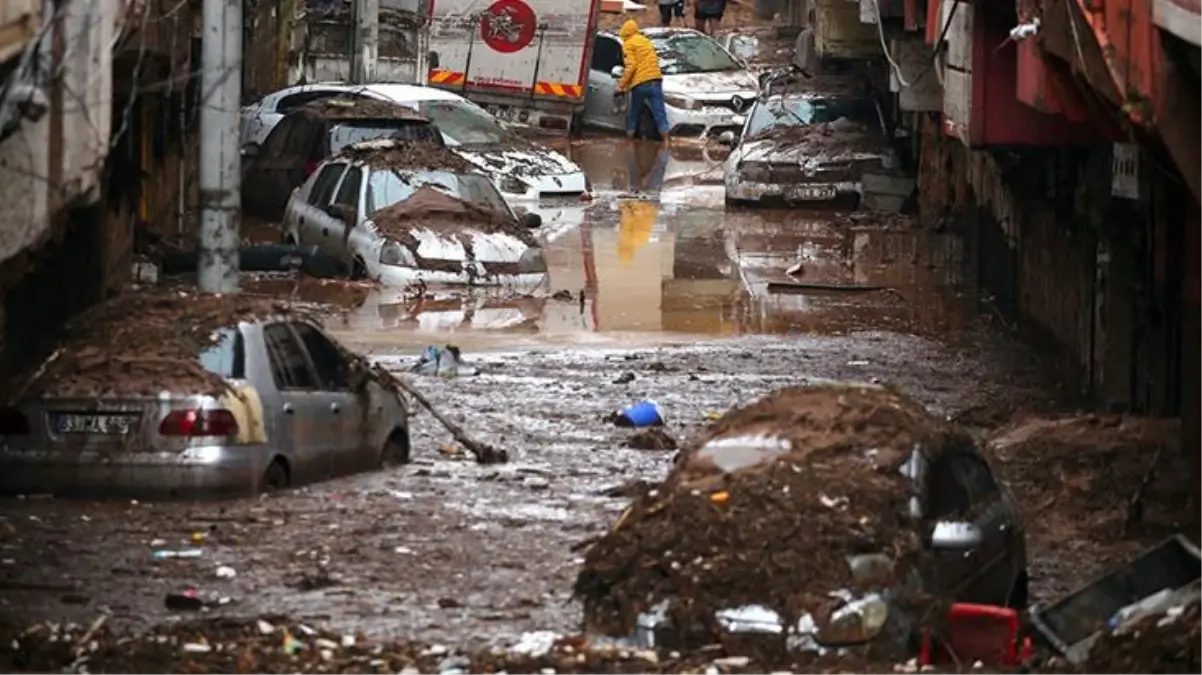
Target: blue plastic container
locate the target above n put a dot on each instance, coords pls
(641, 414)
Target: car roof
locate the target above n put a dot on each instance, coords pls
(400, 93)
(348, 109)
(404, 156)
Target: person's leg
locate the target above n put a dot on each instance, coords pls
(665, 14)
(637, 100)
(655, 98)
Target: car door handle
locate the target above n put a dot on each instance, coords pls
(287, 408)
(334, 408)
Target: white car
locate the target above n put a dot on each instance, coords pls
(403, 217)
(706, 88)
(522, 169)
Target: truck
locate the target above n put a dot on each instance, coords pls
(323, 48)
(525, 61)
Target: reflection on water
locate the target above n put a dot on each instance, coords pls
(636, 265)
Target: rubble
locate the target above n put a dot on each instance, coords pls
(1170, 642)
(651, 439)
(407, 156)
(840, 137)
(433, 209)
(739, 522)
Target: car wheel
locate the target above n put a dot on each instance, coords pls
(646, 128)
(276, 477)
(396, 450)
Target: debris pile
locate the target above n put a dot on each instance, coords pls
(358, 108)
(1163, 643)
(141, 343)
(435, 210)
(405, 156)
(654, 438)
(839, 137)
(763, 509)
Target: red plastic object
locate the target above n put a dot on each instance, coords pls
(310, 167)
(985, 633)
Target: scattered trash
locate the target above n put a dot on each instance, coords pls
(193, 600)
(654, 438)
(197, 648)
(535, 643)
(641, 414)
(625, 378)
(1025, 30)
(289, 644)
(720, 497)
(226, 572)
(163, 554)
(446, 362)
(197, 538)
(264, 627)
(732, 662)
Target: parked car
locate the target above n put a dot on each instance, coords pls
(706, 88)
(522, 169)
(169, 395)
(401, 214)
(807, 146)
(312, 133)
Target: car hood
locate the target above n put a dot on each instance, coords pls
(542, 171)
(774, 151)
(706, 86)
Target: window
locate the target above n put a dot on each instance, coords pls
(681, 53)
(331, 368)
(276, 143)
(348, 192)
(342, 135)
(607, 53)
(976, 475)
(465, 123)
(323, 187)
(288, 365)
(226, 357)
(387, 187)
(797, 111)
(947, 497)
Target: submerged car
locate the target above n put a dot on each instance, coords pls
(707, 89)
(826, 516)
(404, 213)
(171, 395)
(522, 169)
(807, 146)
(305, 137)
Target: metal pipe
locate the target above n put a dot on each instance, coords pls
(220, 163)
(538, 60)
(367, 41)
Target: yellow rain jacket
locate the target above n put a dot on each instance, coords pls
(640, 62)
(636, 221)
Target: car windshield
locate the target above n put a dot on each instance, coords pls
(465, 123)
(389, 186)
(689, 53)
(349, 133)
(780, 112)
(225, 357)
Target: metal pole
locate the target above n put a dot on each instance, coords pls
(367, 41)
(220, 163)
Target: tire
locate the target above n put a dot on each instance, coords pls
(646, 129)
(276, 477)
(396, 450)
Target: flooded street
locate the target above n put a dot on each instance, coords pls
(654, 292)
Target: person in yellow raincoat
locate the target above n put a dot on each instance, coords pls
(636, 221)
(642, 78)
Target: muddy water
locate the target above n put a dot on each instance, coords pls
(675, 308)
(656, 258)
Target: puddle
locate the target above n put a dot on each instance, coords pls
(656, 257)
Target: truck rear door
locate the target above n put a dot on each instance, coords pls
(528, 50)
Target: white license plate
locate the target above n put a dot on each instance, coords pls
(70, 423)
(814, 192)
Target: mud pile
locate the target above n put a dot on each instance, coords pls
(408, 156)
(766, 515)
(1155, 644)
(361, 109)
(435, 210)
(1080, 475)
(141, 343)
(840, 137)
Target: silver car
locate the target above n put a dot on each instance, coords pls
(292, 412)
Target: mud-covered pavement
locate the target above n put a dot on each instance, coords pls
(666, 298)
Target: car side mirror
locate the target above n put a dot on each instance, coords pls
(532, 220)
(956, 535)
(726, 137)
(250, 150)
(616, 72)
(342, 212)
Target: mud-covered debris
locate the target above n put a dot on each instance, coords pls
(142, 343)
(358, 108)
(770, 540)
(838, 137)
(651, 439)
(432, 209)
(624, 378)
(1169, 642)
(408, 156)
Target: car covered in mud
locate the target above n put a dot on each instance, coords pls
(312, 133)
(407, 213)
(808, 146)
(165, 394)
(707, 89)
(522, 169)
(834, 515)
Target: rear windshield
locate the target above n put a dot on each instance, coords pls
(227, 356)
(349, 133)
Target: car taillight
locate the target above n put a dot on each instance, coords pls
(199, 423)
(13, 422)
(310, 167)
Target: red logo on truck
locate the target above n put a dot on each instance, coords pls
(508, 25)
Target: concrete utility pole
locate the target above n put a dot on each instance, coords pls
(367, 41)
(220, 162)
